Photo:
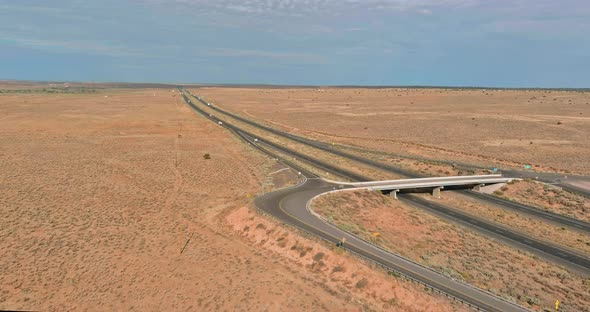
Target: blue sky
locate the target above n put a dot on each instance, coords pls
(519, 43)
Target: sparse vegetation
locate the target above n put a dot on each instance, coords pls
(150, 207)
(547, 197)
(361, 283)
(98, 208)
(394, 274)
(340, 274)
(453, 251)
(50, 90)
(318, 256)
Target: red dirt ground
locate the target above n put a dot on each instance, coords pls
(99, 193)
(456, 251)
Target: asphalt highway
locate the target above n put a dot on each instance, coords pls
(560, 256)
(508, 204)
(290, 206)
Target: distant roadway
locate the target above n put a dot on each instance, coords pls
(512, 205)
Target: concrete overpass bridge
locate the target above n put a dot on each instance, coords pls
(434, 185)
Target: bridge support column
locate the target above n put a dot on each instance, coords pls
(436, 192)
(478, 187)
(393, 194)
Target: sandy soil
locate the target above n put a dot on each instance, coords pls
(549, 198)
(100, 194)
(455, 251)
(340, 274)
(547, 129)
(577, 241)
(421, 167)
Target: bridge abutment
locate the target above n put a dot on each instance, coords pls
(393, 194)
(436, 191)
(478, 187)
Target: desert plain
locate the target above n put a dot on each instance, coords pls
(109, 202)
(126, 199)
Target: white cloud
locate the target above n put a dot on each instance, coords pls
(297, 57)
(69, 46)
(326, 7)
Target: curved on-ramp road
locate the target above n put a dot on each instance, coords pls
(291, 206)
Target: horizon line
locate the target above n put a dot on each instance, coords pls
(268, 85)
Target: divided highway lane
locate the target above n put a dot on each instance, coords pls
(566, 258)
(282, 213)
(535, 212)
(316, 163)
(532, 211)
(290, 206)
(571, 260)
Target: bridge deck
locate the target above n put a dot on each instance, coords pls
(429, 182)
